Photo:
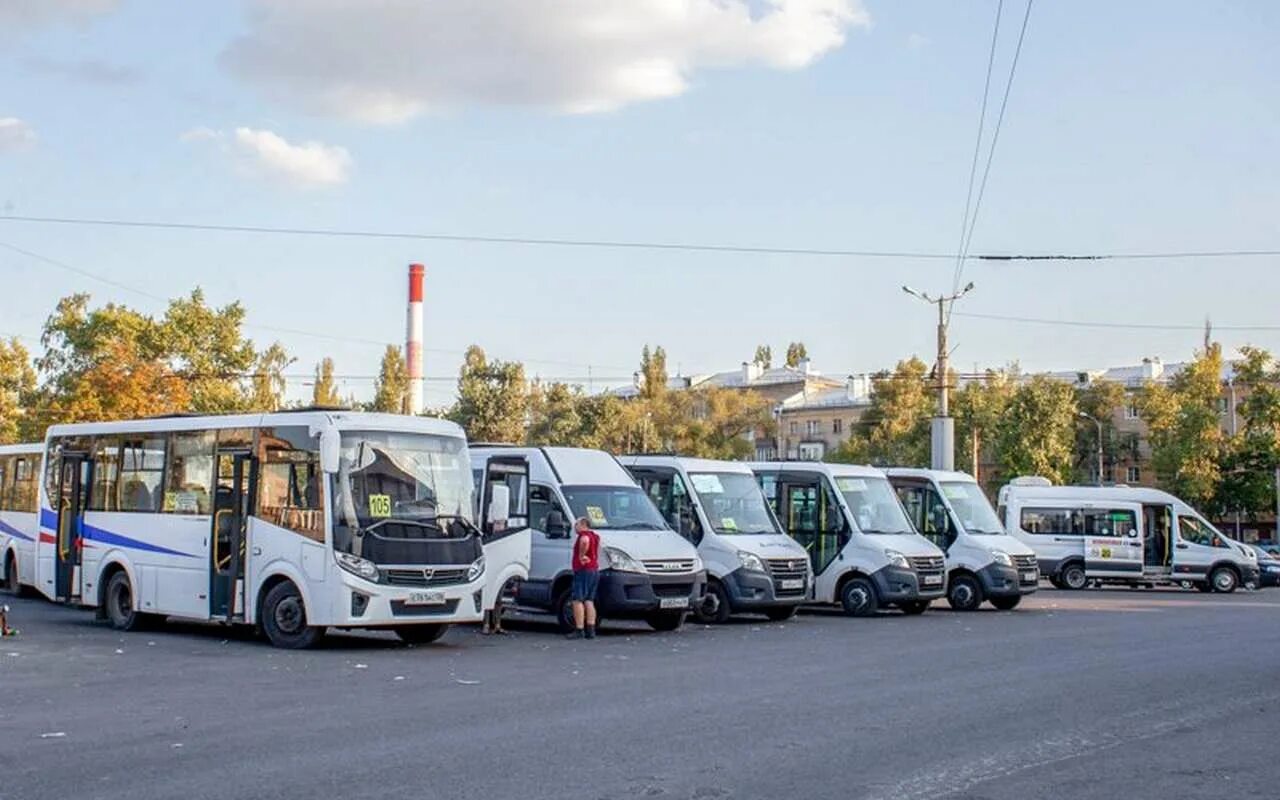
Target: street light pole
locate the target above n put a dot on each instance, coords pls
(943, 434)
(1098, 423)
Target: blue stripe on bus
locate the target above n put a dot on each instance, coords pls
(12, 531)
(49, 520)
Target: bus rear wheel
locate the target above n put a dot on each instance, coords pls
(421, 634)
(1006, 603)
(119, 604)
(284, 619)
(1074, 577)
(11, 585)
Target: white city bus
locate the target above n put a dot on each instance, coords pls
(292, 521)
(19, 499)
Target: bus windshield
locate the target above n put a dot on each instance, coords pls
(403, 477)
(614, 508)
(874, 504)
(972, 507)
(733, 502)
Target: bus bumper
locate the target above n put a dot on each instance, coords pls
(363, 604)
(628, 595)
(750, 590)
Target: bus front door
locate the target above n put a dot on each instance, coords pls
(73, 489)
(233, 503)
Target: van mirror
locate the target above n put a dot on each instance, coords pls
(499, 504)
(557, 525)
(330, 450)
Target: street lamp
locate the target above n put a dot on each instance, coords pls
(943, 433)
(1083, 415)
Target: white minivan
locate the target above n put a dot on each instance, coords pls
(862, 549)
(1119, 534)
(647, 570)
(752, 566)
(984, 563)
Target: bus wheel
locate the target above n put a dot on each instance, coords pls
(564, 611)
(1203, 586)
(1006, 603)
(119, 603)
(781, 613)
(666, 620)
(964, 593)
(284, 619)
(914, 607)
(713, 609)
(1074, 577)
(1224, 580)
(420, 634)
(11, 585)
(858, 597)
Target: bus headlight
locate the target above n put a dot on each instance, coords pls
(476, 569)
(751, 561)
(622, 560)
(896, 559)
(358, 566)
(1001, 558)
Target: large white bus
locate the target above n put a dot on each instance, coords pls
(291, 521)
(19, 500)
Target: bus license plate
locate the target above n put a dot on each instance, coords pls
(674, 602)
(425, 599)
(1030, 577)
(791, 583)
(932, 580)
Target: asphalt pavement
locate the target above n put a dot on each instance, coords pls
(1098, 694)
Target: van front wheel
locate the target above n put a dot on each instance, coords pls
(964, 593)
(1224, 580)
(859, 598)
(666, 620)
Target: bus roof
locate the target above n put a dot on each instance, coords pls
(1129, 494)
(342, 420)
(940, 475)
(24, 448)
(689, 464)
(826, 468)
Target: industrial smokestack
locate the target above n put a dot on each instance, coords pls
(413, 338)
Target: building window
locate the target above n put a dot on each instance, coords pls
(811, 451)
(1131, 411)
(795, 427)
(811, 427)
(837, 425)
(1133, 474)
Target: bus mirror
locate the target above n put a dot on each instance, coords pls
(499, 503)
(330, 449)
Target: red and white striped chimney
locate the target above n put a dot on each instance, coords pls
(413, 338)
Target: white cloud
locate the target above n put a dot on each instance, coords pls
(267, 154)
(15, 134)
(385, 61)
(25, 13)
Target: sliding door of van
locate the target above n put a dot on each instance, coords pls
(1112, 544)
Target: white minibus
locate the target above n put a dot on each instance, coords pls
(752, 566)
(293, 521)
(984, 563)
(1117, 534)
(647, 570)
(863, 552)
(19, 501)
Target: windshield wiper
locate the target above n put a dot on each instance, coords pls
(466, 523)
(644, 526)
(884, 533)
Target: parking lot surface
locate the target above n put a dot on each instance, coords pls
(1098, 694)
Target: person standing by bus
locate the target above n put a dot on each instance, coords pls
(586, 578)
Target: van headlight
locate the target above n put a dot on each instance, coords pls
(1001, 558)
(896, 559)
(622, 561)
(356, 565)
(476, 569)
(751, 561)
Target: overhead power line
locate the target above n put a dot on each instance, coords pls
(636, 244)
(1122, 325)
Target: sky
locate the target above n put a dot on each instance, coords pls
(804, 124)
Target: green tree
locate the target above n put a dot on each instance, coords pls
(1099, 399)
(268, 384)
(764, 356)
(324, 392)
(492, 399)
(205, 345)
(1253, 454)
(653, 371)
(796, 352)
(895, 428)
(391, 389)
(713, 422)
(553, 416)
(17, 390)
(1036, 431)
(978, 407)
(1188, 446)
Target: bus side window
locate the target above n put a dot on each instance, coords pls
(6, 504)
(289, 483)
(769, 485)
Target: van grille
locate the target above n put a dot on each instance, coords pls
(668, 567)
(784, 569)
(926, 563)
(424, 577)
(1025, 562)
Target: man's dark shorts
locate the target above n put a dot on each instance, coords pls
(585, 583)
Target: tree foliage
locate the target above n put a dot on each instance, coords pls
(653, 373)
(268, 384)
(763, 357)
(492, 398)
(391, 389)
(796, 352)
(1253, 454)
(895, 428)
(324, 392)
(1188, 445)
(17, 388)
(1036, 431)
(978, 408)
(1100, 400)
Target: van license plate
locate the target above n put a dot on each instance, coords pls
(674, 602)
(425, 599)
(1030, 577)
(932, 580)
(791, 583)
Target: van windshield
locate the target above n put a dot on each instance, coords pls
(874, 504)
(733, 502)
(972, 507)
(614, 508)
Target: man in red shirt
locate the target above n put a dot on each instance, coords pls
(586, 577)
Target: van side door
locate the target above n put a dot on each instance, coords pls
(928, 513)
(1112, 540)
(1197, 546)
